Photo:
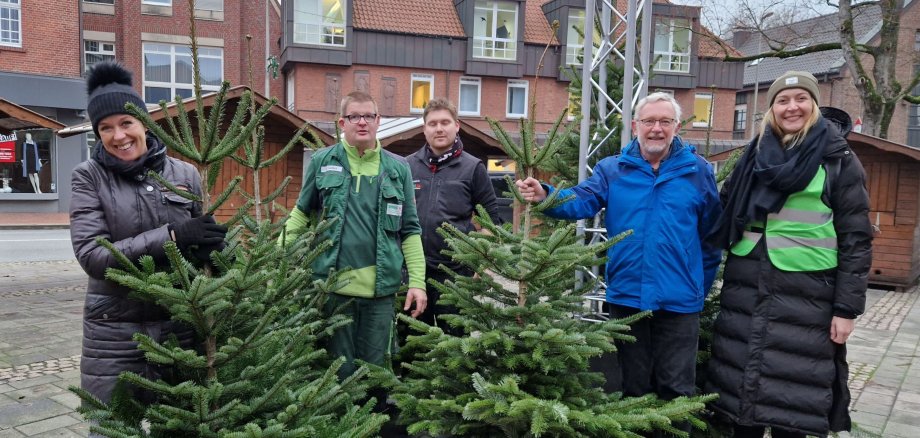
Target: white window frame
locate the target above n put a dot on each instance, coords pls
(667, 59)
(484, 44)
(101, 52)
(157, 2)
(704, 96)
(203, 53)
(516, 83)
(7, 37)
(324, 30)
(574, 49)
(199, 4)
(420, 77)
(467, 80)
(289, 90)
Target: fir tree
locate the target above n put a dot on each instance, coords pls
(521, 367)
(257, 370)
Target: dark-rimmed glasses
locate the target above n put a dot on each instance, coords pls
(354, 118)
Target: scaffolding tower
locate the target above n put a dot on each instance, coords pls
(623, 42)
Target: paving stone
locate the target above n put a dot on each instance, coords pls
(68, 399)
(911, 418)
(875, 403)
(864, 419)
(4, 388)
(47, 425)
(878, 388)
(19, 384)
(23, 413)
(10, 433)
(893, 429)
(58, 433)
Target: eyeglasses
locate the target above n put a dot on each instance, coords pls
(664, 123)
(354, 118)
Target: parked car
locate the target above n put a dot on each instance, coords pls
(504, 200)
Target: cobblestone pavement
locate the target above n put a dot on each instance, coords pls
(41, 306)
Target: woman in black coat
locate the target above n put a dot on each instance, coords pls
(797, 229)
(114, 198)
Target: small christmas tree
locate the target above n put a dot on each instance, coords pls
(257, 370)
(521, 367)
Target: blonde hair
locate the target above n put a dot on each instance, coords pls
(789, 139)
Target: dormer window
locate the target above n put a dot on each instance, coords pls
(319, 22)
(495, 31)
(575, 37)
(672, 45)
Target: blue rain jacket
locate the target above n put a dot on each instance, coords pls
(664, 264)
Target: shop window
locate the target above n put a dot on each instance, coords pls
(26, 162)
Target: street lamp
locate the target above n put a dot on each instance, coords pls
(757, 65)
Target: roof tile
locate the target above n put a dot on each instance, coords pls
(419, 17)
(537, 29)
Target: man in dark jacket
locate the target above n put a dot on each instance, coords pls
(448, 185)
(666, 194)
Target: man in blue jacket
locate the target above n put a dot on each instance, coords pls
(664, 192)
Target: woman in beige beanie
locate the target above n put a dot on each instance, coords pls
(796, 226)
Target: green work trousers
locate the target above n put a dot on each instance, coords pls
(368, 336)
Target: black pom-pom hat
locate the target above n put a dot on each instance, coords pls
(108, 85)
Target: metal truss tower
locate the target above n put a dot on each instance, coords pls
(624, 39)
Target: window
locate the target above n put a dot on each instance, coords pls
(917, 41)
(672, 45)
(740, 125)
(575, 40)
(168, 70)
(97, 51)
(470, 96)
(517, 98)
(319, 22)
(289, 92)
(26, 162)
(210, 5)
(157, 2)
(10, 23)
(702, 110)
(421, 88)
(105, 2)
(495, 30)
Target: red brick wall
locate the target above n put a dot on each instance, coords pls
(723, 114)
(48, 44)
(310, 92)
(128, 24)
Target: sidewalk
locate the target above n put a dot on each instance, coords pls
(41, 305)
(18, 221)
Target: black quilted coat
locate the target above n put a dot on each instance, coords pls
(773, 363)
(133, 214)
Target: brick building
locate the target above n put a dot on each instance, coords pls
(484, 55)
(45, 46)
(40, 72)
(835, 81)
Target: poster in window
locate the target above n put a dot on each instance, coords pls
(8, 148)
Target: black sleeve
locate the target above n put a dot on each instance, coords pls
(484, 193)
(850, 203)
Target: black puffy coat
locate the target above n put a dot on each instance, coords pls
(773, 362)
(133, 215)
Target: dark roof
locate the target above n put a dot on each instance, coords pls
(14, 117)
(824, 29)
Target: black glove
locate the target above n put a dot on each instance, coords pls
(199, 231)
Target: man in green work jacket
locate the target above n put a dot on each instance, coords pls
(369, 193)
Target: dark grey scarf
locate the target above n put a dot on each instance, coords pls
(154, 159)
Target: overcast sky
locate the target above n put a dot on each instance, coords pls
(717, 14)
